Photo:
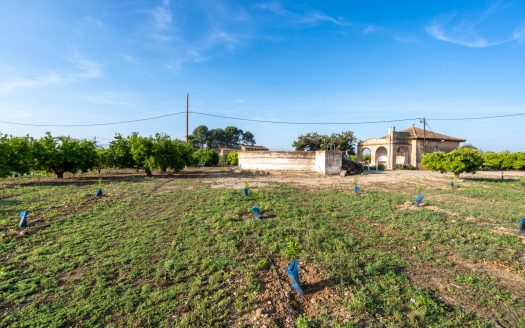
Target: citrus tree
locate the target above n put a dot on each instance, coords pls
(63, 154)
(460, 160)
(142, 150)
(206, 157)
(4, 169)
(119, 153)
(232, 158)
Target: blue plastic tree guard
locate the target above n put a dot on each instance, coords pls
(419, 198)
(257, 211)
(293, 274)
(245, 191)
(357, 189)
(522, 225)
(23, 220)
(452, 184)
(99, 192)
(16, 175)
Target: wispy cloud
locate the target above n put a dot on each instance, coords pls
(464, 30)
(239, 101)
(129, 58)
(310, 18)
(213, 43)
(109, 98)
(162, 16)
(86, 69)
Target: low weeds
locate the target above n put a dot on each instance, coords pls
(196, 258)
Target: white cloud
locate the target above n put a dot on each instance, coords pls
(370, 29)
(162, 16)
(87, 69)
(130, 59)
(212, 44)
(311, 18)
(464, 30)
(239, 101)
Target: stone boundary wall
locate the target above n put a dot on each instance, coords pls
(324, 162)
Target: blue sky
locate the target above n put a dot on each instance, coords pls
(67, 62)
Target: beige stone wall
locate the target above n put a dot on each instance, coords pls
(328, 162)
(324, 162)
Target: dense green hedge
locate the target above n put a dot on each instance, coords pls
(504, 160)
(470, 160)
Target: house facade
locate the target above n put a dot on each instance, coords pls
(405, 147)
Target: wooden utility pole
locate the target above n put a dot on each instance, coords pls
(424, 135)
(187, 116)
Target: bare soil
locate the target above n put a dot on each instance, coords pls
(399, 181)
(278, 303)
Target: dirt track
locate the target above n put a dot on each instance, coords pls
(400, 181)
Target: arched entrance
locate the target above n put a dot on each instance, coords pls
(401, 156)
(366, 155)
(381, 156)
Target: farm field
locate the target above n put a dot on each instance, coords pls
(184, 250)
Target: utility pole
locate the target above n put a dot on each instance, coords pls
(187, 116)
(424, 135)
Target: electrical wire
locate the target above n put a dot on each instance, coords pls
(305, 123)
(264, 121)
(475, 118)
(95, 124)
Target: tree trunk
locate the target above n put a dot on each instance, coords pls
(60, 175)
(148, 172)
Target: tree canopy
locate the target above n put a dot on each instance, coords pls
(460, 160)
(64, 154)
(343, 141)
(230, 136)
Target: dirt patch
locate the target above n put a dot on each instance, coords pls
(71, 276)
(173, 186)
(236, 183)
(278, 304)
(410, 206)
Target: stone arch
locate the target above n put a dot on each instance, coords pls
(381, 156)
(401, 155)
(366, 155)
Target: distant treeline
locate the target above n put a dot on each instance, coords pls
(58, 155)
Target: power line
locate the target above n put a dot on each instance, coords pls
(305, 123)
(265, 121)
(94, 124)
(475, 118)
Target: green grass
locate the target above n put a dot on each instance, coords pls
(194, 256)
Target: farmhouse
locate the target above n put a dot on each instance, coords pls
(405, 147)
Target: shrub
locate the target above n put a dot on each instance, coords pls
(405, 167)
(206, 157)
(292, 248)
(461, 160)
(232, 158)
(435, 161)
